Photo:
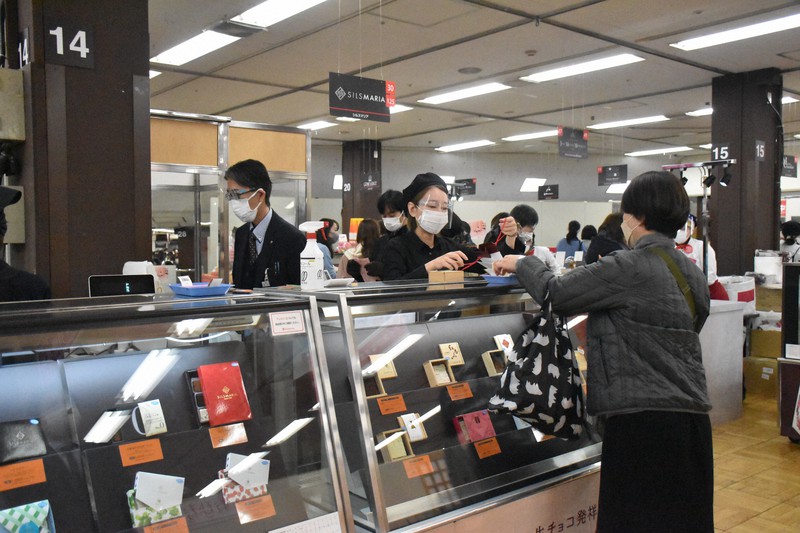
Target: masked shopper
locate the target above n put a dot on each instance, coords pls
(267, 248)
(693, 248)
(421, 249)
(646, 375)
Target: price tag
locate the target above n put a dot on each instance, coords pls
(145, 451)
(487, 447)
(452, 351)
(392, 404)
(287, 323)
(18, 475)
(227, 435)
(255, 509)
(170, 526)
(418, 466)
(185, 281)
(459, 391)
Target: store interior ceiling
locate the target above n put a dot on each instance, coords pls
(428, 47)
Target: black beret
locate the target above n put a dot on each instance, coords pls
(420, 183)
(8, 196)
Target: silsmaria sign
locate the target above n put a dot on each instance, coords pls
(363, 98)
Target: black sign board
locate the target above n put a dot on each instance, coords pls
(789, 167)
(363, 98)
(612, 174)
(466, 187)
(573, 143)
(371, 183)
(548, 192)
(69, 45)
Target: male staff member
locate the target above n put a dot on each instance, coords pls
(267, 248)
(17, 285)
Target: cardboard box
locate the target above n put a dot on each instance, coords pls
(438, 372)
(472, 427)
(494, 361)
(761, 376)
(373, 386)
(452, 351)
(453, 278)
(765, 343)
(399, 449)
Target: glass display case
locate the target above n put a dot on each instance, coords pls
(412, 367)
(167, 414)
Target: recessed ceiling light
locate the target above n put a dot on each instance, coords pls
(464, 146)
(617, 188)
(702, 112)
(317, 125)
(789, 100)
(528, 136)
(705, 146)
(738, 34)
(397, 108)
(659, 151)
(347, 119)
(583, 68)
(154, 73)
(271, 12)
(532, 184)
(629, 122)
(191, 49)
(464, 93)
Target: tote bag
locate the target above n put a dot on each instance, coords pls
(541, 383)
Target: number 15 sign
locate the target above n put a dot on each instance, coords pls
(69, 45)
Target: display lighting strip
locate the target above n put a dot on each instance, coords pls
(197, 46)
(461, 94)
(628, 122)
(703, 112)
(658, 151)
(465, 146)
(739, 34)
(271, 12)
(582, 68)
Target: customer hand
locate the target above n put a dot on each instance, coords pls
(506, 265)
(509, 226)
(448, 261)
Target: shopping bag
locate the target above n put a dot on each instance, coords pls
(541, 383)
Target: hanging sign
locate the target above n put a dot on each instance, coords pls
(362, 98)
(466, 187)
(573, 142)
(789, 167)
(612, 174)
(548, 192)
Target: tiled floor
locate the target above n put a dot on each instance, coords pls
(756, 473)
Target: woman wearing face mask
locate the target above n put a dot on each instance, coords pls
(519, 238)
(646, 373)
(693, 248)
(421, 249)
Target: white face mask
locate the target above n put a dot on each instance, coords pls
(682, 237)
(432, 221)
(392, 223)
(241, 208)
(525, 237)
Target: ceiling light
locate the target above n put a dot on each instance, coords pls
(706, 146)
(617, 188)
(464, 146)
(705, 111)
(659, 151)
(528, 136)
(449, 180)
(397, 108)
(629, 122)
(789, 100)
(464, 93)
(337, 182)
(582, 68)
(797, 135)
(154, 73)
(738, 34)
(532, 184)
(271, 12)
(347, 119)
(197, 46)
(316, 125)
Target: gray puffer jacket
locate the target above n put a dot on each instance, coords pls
(643, 350)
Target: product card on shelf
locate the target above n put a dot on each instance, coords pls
(157, 491)
(475, 426)
(452, 351)
(415, 430)
(28, 518)
(224, 393)
(504, 342)
(248, 471)
(233, 492)
(153, 421)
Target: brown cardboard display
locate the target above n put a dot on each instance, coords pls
(434, 370)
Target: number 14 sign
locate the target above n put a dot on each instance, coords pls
(69, 45)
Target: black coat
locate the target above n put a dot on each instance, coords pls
(280, 255)
(18, 285)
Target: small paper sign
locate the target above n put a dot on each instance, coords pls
(392, 404)
(185, 281)
(418, 466)
(459, 391)
(287, 323)
(145, 451)
(487, 447)
(18, 475)
(227, 435)
(255, 509)
(170, 526)
(452, 351)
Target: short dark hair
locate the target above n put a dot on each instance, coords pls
(588, 232)
(252, 174)
(659, 198)
(391, 200)
(525, 215)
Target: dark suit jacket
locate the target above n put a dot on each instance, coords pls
(280, 255)
(18, 285)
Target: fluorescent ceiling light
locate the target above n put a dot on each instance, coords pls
(629, 122)
(197, 46)
(532, 184)
(154, 73)
(397, 108)
(738, 34)
(797, 135)
(583, 68)
(464, 146)
(464, 93)
(702, 112)
(706, 146)
(617, 188)
(317, 125)
(338, 179)
(347, 119)
(271, 12)
(288, 431)
(658, 151)
(450, 180)
(528, 136)
(789, 100)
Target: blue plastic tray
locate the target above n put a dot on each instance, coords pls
(200, 289)
(500, 280)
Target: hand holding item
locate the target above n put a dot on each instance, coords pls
(508, 226)
(448, 261)
(506, 265)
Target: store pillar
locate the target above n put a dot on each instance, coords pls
(86, 157)
(746, 123)
(361, 181)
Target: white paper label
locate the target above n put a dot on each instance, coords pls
(287, 323)
(766, 370)
(185, 281)
(793, 351)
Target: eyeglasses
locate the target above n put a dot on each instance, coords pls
(234, 194)
(435, 206)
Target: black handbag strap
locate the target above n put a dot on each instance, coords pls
(683, 285)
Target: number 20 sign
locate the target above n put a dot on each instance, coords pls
(69, 45)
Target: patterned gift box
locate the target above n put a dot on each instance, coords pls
(143, 515)
(29, 518)
(233, 492)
